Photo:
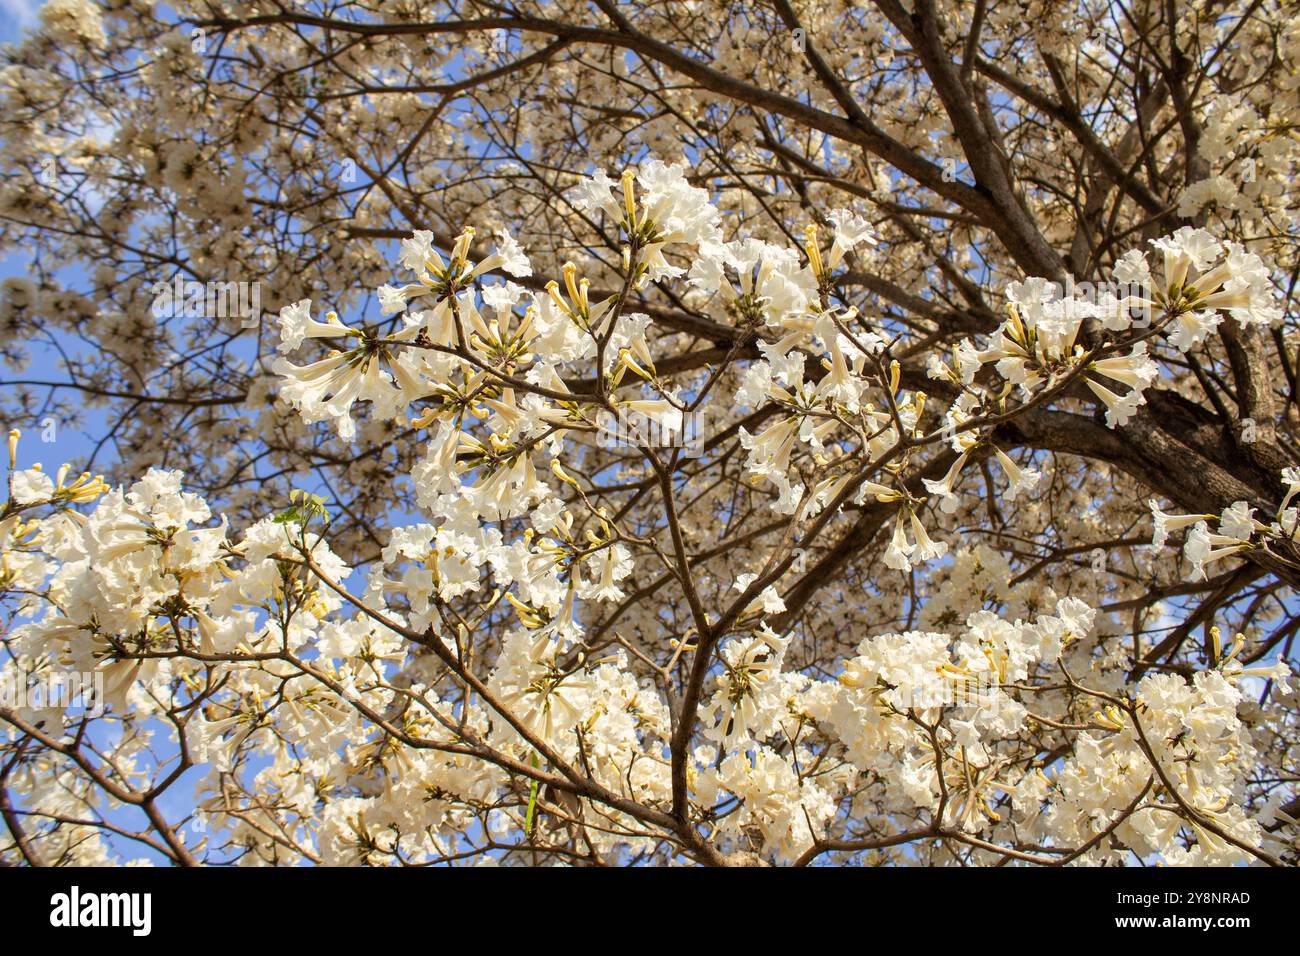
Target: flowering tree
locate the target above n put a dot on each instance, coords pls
(784, 432)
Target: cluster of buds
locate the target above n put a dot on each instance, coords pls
(455, 398)
(498, 342)
(635, 358)
(444, 278)
(578, 307)
(820, 271)
(642, 230)
(84, 489)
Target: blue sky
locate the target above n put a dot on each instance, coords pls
(15, 15)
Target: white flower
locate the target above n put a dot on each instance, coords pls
(1198, 295)
(682, 212)
(73, 20)
(1164, 523)
(850, 230)
(1136, 370)
(1132, 269)
(1020, 479)
(596, 194)
(943, 487)
(511, 254)
(1192, 329)
(1291, 478)
(615, 565)
(548, 701)
(743, 702)
(769, 280)
(1216, 190)
(296, 324)
(769, 450)
(1236, 522)
(1200, 548)
(327, 389)
(1184, 250)
(661, 412)
(898, 554)
(669, 211)
(925, 547)
(417, 250)
(392, 299)
(32, 486)
(1119, 408)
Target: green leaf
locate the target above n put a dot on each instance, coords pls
(532, 800)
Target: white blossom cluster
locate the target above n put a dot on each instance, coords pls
(250, 648)
(172, 608)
